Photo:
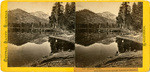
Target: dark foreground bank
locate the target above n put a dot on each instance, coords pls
(60, 59)
(128, 59)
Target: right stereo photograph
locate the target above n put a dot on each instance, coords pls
(109, 34)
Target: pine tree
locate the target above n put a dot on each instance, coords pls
(140, 9)
(119, 18)
(124, 18)
(134, 8)
(73, 15)
(59, 14)
(140, 15)
(134, 15)
(67, 9)
(127, 15)
(70, 15)
(72, 7)
(52, 19)
(56, 17)
(137, 16)
(63, 19)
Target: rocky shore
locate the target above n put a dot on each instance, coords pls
(126, 59)
(60, 59)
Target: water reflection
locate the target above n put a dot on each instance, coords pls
(26, 53)
(90, 38)
(58, 44)
(86, 56)
(94, 48)
(128, 45)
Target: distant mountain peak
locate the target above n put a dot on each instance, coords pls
(85, 10)
(18, 10)
(21, 16)
(40, 14)
(106, 12)
(86, 16)
(108, 15)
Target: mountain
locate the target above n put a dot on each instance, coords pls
(40, 14)
(108, 15)
(86, 16)
(21, 16)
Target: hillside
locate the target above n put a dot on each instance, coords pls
(108, 15)
(40, 14)
(86, 16)
(21, 16)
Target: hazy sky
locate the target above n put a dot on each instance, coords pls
(46, 7)
(97, 7)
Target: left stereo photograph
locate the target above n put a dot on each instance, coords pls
(41, 34)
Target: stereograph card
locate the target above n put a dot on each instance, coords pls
(75, 35)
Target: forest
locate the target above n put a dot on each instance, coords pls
(63, 18)
(131, 19)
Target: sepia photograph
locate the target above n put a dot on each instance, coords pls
(41, 34)
(109, 34)
(75, 34)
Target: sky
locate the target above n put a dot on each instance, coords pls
(99, 7)
(46, 7)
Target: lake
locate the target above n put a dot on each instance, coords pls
(95, 48)
(27, 53)
(89, 49)
(86, 56)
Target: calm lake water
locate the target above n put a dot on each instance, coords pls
(86, 56)
(26, 53)
(95, 48)
(89, 49)
(29, 52)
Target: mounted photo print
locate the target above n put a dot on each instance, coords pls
(75, 35)
(41, 34)
(109, 34)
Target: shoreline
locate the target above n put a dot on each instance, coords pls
(60, 59)
(127, 59)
